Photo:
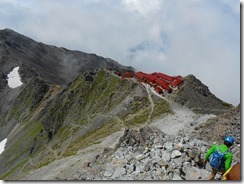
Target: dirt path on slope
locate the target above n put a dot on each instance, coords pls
(182, 119)
(65, 167)
(173, 123)
(152, 103)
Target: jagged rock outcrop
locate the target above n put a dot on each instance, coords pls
(196, 96)
(161, 157)
(215, 129)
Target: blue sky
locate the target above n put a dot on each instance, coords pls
(176, 37)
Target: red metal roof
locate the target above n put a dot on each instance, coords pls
(159, 90)
(164, 76)
(176, 82)
(139, 75)
(150, 77)
(163, 84)
(127, 75)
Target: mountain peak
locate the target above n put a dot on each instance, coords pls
(53, 64)
(6, 30)
(199, 98)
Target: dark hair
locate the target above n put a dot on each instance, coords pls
(227, 144)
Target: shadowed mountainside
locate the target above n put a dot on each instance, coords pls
(52, 64)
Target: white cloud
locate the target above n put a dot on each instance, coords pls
(143, 7)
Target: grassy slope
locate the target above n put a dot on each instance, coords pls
(23, 109)
(80, 116)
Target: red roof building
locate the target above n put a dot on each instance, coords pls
(139, 75)
(149, 78)
(159, 89)
(127, 75)
(163, 76)
(163, 84)
(178, 80)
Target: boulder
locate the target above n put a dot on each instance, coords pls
(175, 154)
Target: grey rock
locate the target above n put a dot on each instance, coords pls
(130, 168)
(208, 167)
(192, 154)
(176, 153)
(166, 156)
(158, 146)
(176, 176)
(170, 175)
(109, 172)
(165, 177)
(192, 144)
(203, 149)
(191, 173)
(128, 157)
(140, 157)
(178, 161)
(169, 170)
(139, 169)
(146, 150)
(77, 175)
(178, 146)
(119, 171)
(158, 153)
(168, 146)
(147, 166)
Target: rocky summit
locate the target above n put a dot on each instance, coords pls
(75, 117)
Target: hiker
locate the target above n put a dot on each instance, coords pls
(220, 157)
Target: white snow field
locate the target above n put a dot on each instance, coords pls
(14, 79)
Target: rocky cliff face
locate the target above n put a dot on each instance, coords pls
(215, 129)
(196, 96)
(75, 118)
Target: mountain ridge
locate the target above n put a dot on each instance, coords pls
(62, 65)
(51, 118)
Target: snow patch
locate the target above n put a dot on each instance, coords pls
(14, 79)
(2, 145)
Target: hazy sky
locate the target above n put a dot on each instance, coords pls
(176, 37)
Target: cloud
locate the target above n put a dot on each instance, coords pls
(200, 37)
(142, 7)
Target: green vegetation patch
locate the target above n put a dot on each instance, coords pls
(23, 144)
(161, 107)
(7, 175)
(93, 137)
(29, 98)
(140, 119)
